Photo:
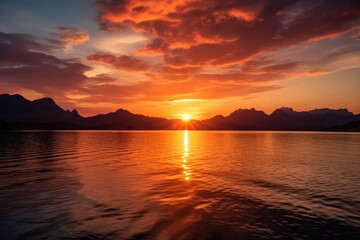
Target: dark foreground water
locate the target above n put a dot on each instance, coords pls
(179, 185)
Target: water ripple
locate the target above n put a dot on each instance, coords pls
(179, 185)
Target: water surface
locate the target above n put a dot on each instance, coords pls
(179, 185)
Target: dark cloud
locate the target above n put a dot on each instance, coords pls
(157, 47)
(123, 62)
(27, 42)
(26, 63)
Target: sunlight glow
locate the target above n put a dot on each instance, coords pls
(186, 117)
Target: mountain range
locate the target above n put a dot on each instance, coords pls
(16, 112)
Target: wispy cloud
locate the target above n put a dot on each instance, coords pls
(72, 36)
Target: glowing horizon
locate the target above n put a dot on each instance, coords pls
(182, 56)
(186, 117)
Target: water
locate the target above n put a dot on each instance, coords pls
(179, 185)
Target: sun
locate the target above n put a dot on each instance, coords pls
(186, 117)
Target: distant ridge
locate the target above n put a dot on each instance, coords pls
(16, 112)
(349, 127)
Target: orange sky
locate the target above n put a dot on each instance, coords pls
(168, 58)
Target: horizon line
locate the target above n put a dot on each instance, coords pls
(192, 119)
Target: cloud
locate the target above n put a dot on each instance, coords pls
(122, 62)
(217, 33)
(189, 49)
(72, 36)
(155, 48)
(170, 91)
(26, 63)
(27, 42)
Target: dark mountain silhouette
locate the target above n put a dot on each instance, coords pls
(349, 127)
(237, 120)
(123, 119)
(281, 119)
(288, 119)
(16, 112)
(15, 108)
(20, 113)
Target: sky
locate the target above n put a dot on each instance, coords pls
(171, 57)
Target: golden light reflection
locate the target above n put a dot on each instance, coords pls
(187, 170)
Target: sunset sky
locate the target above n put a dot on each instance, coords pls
(168, 58)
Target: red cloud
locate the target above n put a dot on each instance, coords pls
(215, 33)
(208, 49)
(123, 62)
(156, 47)
(25, 66)
(72, 36)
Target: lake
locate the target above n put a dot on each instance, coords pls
(179, 185)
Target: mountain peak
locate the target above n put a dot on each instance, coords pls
(45, 100)
(287, 109)
(340, 111)
(283, 111)
(46, 103)
(75, 112)
(15, 99)
(122, 111)
(5, 95)
(246, 110)
(247, 116)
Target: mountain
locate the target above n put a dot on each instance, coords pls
(123, 119)
(349, 127)
(280, 119)
(288, 119)
(16, 112)
(241, 119)
(15, 108)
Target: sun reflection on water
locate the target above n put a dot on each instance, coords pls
(187, 171)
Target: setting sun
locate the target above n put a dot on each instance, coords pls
(186, 117)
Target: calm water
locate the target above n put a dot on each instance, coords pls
(179, 185)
